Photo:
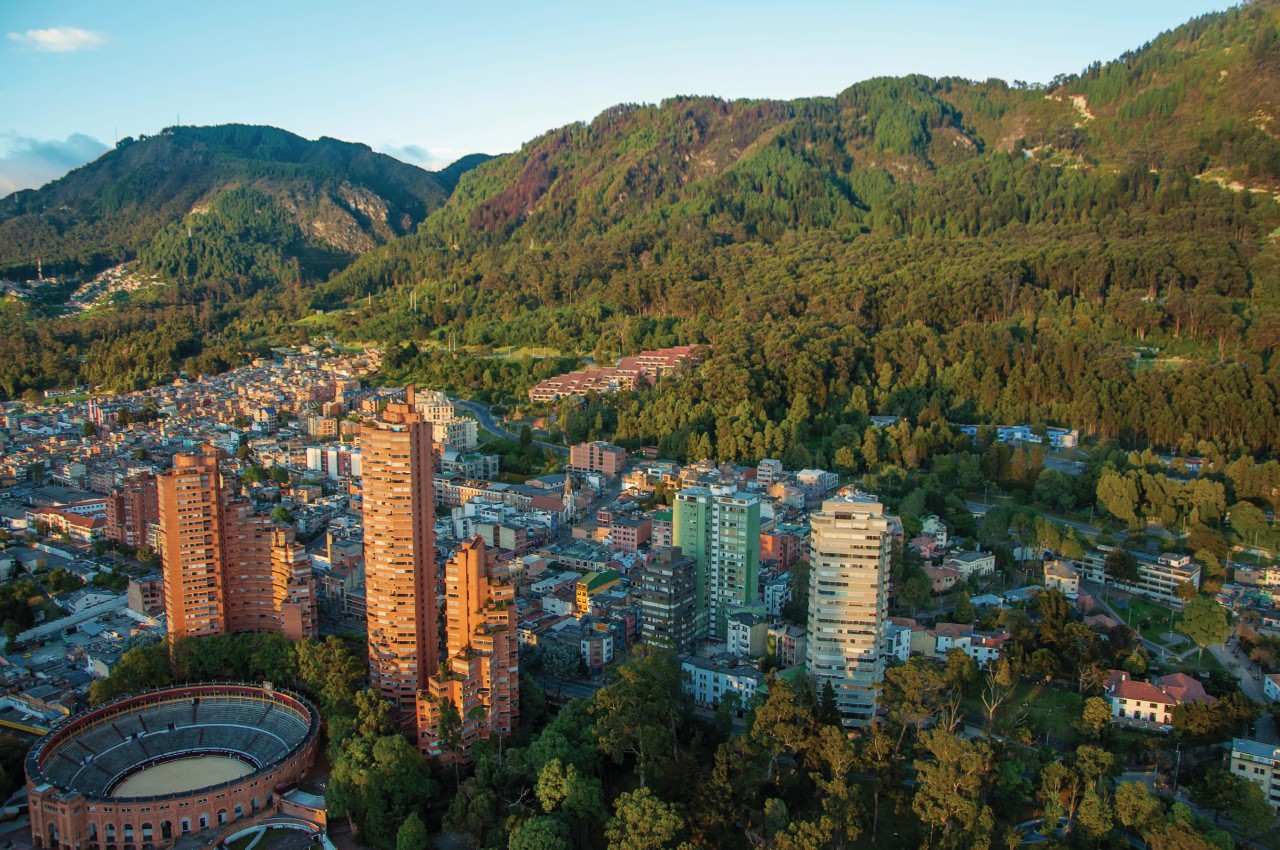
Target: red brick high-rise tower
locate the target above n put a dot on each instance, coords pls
(399, 553)
(227, 568)
(480, 672)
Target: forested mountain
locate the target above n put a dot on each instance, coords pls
(1100, 252)
(240, 220)
(343, 196)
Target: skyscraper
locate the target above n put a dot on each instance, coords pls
(720, 529)
(848, 602)
(191, 545)
(478, 682)
(399, 553)
(227, 568)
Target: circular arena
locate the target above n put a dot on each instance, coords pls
(142, 771)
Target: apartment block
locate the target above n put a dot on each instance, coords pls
(130, 508)
(668, 615)
(399, 552)
(848, 603)
(604, 458)
(1259, 763)
(720, 529)
(1158, 578)
(227, 568)
(479, 673)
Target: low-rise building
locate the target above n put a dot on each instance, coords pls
(790, 645)
(591, 584)
(897, 638)
(1158, 578)
(1060, 575)
(1271, 686)
(602, 457)
(1260, 764)
(972, 563)
(1150, 705)
(746, 634)
(709, 680)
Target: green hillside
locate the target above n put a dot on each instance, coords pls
(344, 196)
(933, 248)
(947, 250)
(239, 219)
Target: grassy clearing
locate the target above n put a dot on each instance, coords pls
(1152, 620)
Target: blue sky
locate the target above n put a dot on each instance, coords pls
(430, 82)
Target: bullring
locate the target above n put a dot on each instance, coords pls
(141, 771)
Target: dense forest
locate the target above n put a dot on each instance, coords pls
(1099, 253)
(236, 218)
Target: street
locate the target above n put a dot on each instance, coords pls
(488, 423)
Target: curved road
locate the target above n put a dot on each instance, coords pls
(488, 423)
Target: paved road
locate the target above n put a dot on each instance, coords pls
(1238, 664)
(488, 423)
(571, 689)
(1092, 530)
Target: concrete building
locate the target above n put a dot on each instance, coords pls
(146, 595)
(897, 638)
(709, 680)
(227, 568)
(777, 592)
(720, 528)
(399, 552)
(747, 635)
(1062, 576)
(768, 471)
(592, 583)
(602, 457)
(972, 563)
(790, 645)
(1158, 578)
(848, 603)
(480, 670)
(668, 609)
(1260, 764)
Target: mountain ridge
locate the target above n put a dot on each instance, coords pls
(344, 195)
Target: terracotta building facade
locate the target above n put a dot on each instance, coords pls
(227, 568)
(399, 552)
(131, 507)
(479, 675)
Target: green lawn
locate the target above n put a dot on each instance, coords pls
(1156, 617)
(1046, 708)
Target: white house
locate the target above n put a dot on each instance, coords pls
(972, 563)
(709, 680)
(1271, 686)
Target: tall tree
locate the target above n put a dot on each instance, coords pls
(1205, 621)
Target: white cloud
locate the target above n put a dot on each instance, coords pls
(59, 39)
(420, 156)
(26, 163)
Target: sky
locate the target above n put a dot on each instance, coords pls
(429, 82)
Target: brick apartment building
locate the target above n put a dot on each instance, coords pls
(227, 568)
(602, 457)
(479, 674)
